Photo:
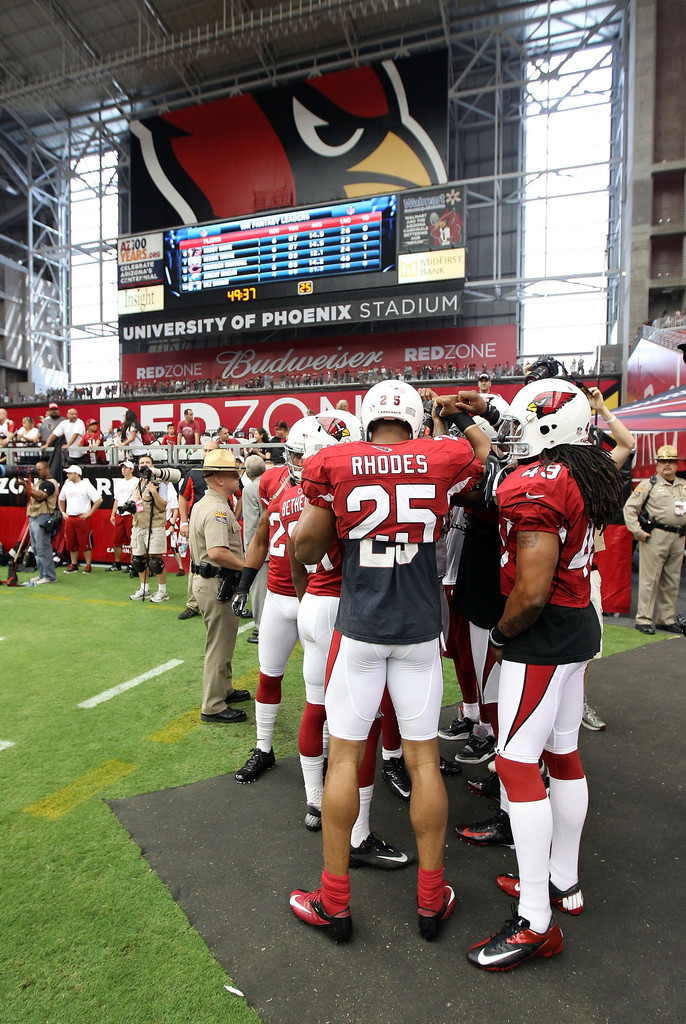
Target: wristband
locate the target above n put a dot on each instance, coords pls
(461, 420)
(611, 420)
(496, 638)
(492, 415)
(246, 581)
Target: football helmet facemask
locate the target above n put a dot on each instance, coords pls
(393, 400)
(544, 414)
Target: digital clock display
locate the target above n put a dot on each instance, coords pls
(241, 294)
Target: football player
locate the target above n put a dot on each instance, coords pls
(318, 588)
(385, 498)
(549, 506)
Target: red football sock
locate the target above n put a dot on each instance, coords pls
(430, 889)
(335, 892)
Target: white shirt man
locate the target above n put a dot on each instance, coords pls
(497, 401)
(78, 500)
(71, 430)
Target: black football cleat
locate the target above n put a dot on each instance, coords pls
(515, 943)
(490, 832)
(259, 761)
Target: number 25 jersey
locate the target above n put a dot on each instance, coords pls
(389, 502)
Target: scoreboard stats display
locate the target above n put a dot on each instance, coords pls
(409, 242)
(282, 251)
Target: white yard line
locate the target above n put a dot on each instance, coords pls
(248, 625)
(100, 698)
(4, 744)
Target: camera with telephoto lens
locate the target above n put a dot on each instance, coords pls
(17, 472)
(128, 507)
(165, 474)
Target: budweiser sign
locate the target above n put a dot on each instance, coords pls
(329, 358)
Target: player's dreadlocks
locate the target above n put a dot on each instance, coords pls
(597, 476)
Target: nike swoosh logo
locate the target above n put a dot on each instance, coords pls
(535, 495)
(399, 858)
(485, 959)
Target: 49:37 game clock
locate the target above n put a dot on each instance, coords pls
(241, 294)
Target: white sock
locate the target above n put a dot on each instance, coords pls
(569, 802)
(313, 771)
(470, 711)
(325, 739)
(361, 827)
(488, 728)
(162, 588)
(532, 828)
(265, 717)
(386, 754)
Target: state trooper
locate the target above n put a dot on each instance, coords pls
(656, 516)
(216, 562)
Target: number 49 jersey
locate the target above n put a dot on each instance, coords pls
(389, 502)
(546, 499)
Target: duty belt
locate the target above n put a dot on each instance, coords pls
(680, 530)
(206, 570)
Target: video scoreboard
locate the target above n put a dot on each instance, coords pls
(410, 243)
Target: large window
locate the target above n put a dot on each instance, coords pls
(564, 254)
(94, 347)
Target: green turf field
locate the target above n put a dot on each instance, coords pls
(89, 933)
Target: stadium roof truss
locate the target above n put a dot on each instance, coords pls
(73, 73)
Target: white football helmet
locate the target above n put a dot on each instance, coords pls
(305, 437)
(544, 414)
(393, 400)
(340, 425)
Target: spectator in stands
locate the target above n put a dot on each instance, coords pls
(485, 390)
(51, 419)
(188, 430)
(27, 433)
(78, 500)
(6, 429)
(131, 435)
(261, 437)
(170, 436)
(342, 405)
(93, 439)
(71, 431)
(280, 435)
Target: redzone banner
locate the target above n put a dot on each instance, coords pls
(331, 357)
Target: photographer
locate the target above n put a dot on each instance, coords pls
(120, 517)
(42, 502)
(216, 563)
(148, 536)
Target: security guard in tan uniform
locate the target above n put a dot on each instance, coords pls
(656, 515)
(216, 563)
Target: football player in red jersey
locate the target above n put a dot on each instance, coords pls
(385, 498)
(278, 628)
(319, 589)
(549, 506)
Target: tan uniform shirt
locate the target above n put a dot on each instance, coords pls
(37, 507)
(213, 525)
(666, 503)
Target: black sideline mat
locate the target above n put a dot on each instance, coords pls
(230, 855)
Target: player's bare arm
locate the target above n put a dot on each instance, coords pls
(298, 571)
(537, 558)
(313, 533)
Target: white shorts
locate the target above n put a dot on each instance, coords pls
(596, 601)
(278, 633)
(358, 673)
(486, 667)
(316, 618)
(539, 708)
(139, 540)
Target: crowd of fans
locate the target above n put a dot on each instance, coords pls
(449, 372)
